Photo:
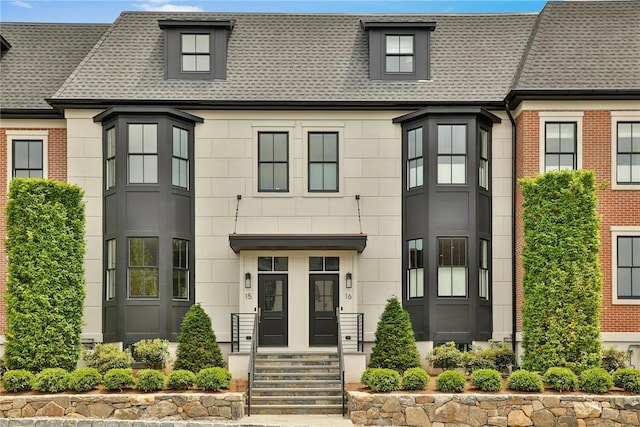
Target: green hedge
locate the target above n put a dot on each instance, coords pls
(562, 280)
(45, 286)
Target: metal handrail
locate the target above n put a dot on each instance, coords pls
(341, 365)
(252, 361)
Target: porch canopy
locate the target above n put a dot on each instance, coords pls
(244, 242)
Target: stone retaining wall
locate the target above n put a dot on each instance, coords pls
(166, 407)
(439, 410)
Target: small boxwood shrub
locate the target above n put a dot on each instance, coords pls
(525, 381)
(627, 379)
(107, 356)
(213, 378)
(365, 378)
(153, 354)
(477, 358)
(181, 380)
(415, 379)
(446, 356)
(561, 379)
(118, 379)
(384, 380)
(487, 379)
(84, 379)
(52, 380)
(595, 380)
(450, 382)
(18, 380)
(614, 359)
(150, 380)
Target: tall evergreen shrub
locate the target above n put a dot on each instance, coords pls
(562, 280)
(45, 289)
(395, 346)
(197, 345)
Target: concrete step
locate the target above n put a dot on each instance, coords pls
(297, 356)
(297, 362)
(300, 391)
(295, 369)
(286, 376)
(294, 383)
(296, 400)
(296, 409)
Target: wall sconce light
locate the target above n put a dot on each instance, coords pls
(349, 281)
(247, 280)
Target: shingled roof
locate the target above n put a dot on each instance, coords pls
(40, 59)
(583, 46)
(304, 58)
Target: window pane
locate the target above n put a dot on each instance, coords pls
(315, 177)
(150, 138)
(418, 133)
(413, 280)
(566, 161)
(180, 287)
(184, 174)
(459, 251)
(393, 64)
(484, 144)
(330, 148)
(635, 282)
(635, 136)
(635, 168)
(444, 252)
(202, 43)
(266, 176)
(315, 147)
(135, 138)
(266, 147)
(188, 63)
(135, 169)
(623, 164)
(280, 147)
(624, 282)
(444, 139)
(458, 170)
(444, 281)
(459, 281)
(567, 137)
(150, 169)
(280, 263)
(624, 137)
(636, 252)
(459, 139)
(21, 154)
(280, 180)
(393, 44)
(406, 44)
(35, 154)
(406, 64)
(111, 253)
(484, 254)
(330, 176)
(264, 263)
(624, 252)
(175, 172)
(551, 162)
(188, 43)
(184, 141)
(552, 137)
(332, 263)
(202, 62)
(315, 263)
(419, 283)
(444, 169)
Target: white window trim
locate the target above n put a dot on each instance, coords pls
(620, 116)
(306, 130)
(42, 135)
(289, 128)
(560, 116)
(620, 231)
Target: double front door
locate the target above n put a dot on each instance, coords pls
(273, 294)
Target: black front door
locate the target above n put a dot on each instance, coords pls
(272, 303)
(323, 302)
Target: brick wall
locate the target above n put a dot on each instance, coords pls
(57, 165)
(616, 207)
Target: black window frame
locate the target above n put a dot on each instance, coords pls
(178, 159)
(484, 269)
(417, 160)
(323, 162)
(631, 153)
(146, 268)
(208, 53)
(634, 269)
(110, 269)
(272, 162)
(327, 264)
(180, 268)
(451, 155)
(451, 266)
(415, 263)
(484, 163)
(29, 169)
(559, 152)
(111, 150)
(276, 263)
(144, 154)
(399, 54)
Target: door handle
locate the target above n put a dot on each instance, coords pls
(259, 314)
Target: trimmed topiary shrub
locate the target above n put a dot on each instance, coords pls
(395, 347)
(150, 380)
(384, 380)
(197, 345)
(181, 380)
(45, 285)
(525, 381)
(477, 358)
(18, 380)
(153, 354)
(365, 378)
(614, 359)
(445, 356)
(52, 380)
(561, 379)
(562, 281)
(213, 379)
(415, 379)
(595, 380)
(118, 379)
(106, 357)
(84, 379)
(627, 379)
(487, 379)
(450, 382)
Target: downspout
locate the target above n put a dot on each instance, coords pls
(513, 227)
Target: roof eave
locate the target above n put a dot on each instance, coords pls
(515, 97)
(30, 113)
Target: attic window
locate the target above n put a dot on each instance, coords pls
(398, 50)
(196, 49)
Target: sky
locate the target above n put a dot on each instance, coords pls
(107, 11)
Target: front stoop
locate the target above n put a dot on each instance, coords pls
(296, 383)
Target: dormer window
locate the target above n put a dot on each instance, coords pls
(196, 50)
(398, 50)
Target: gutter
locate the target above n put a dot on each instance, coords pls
(513, 227)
